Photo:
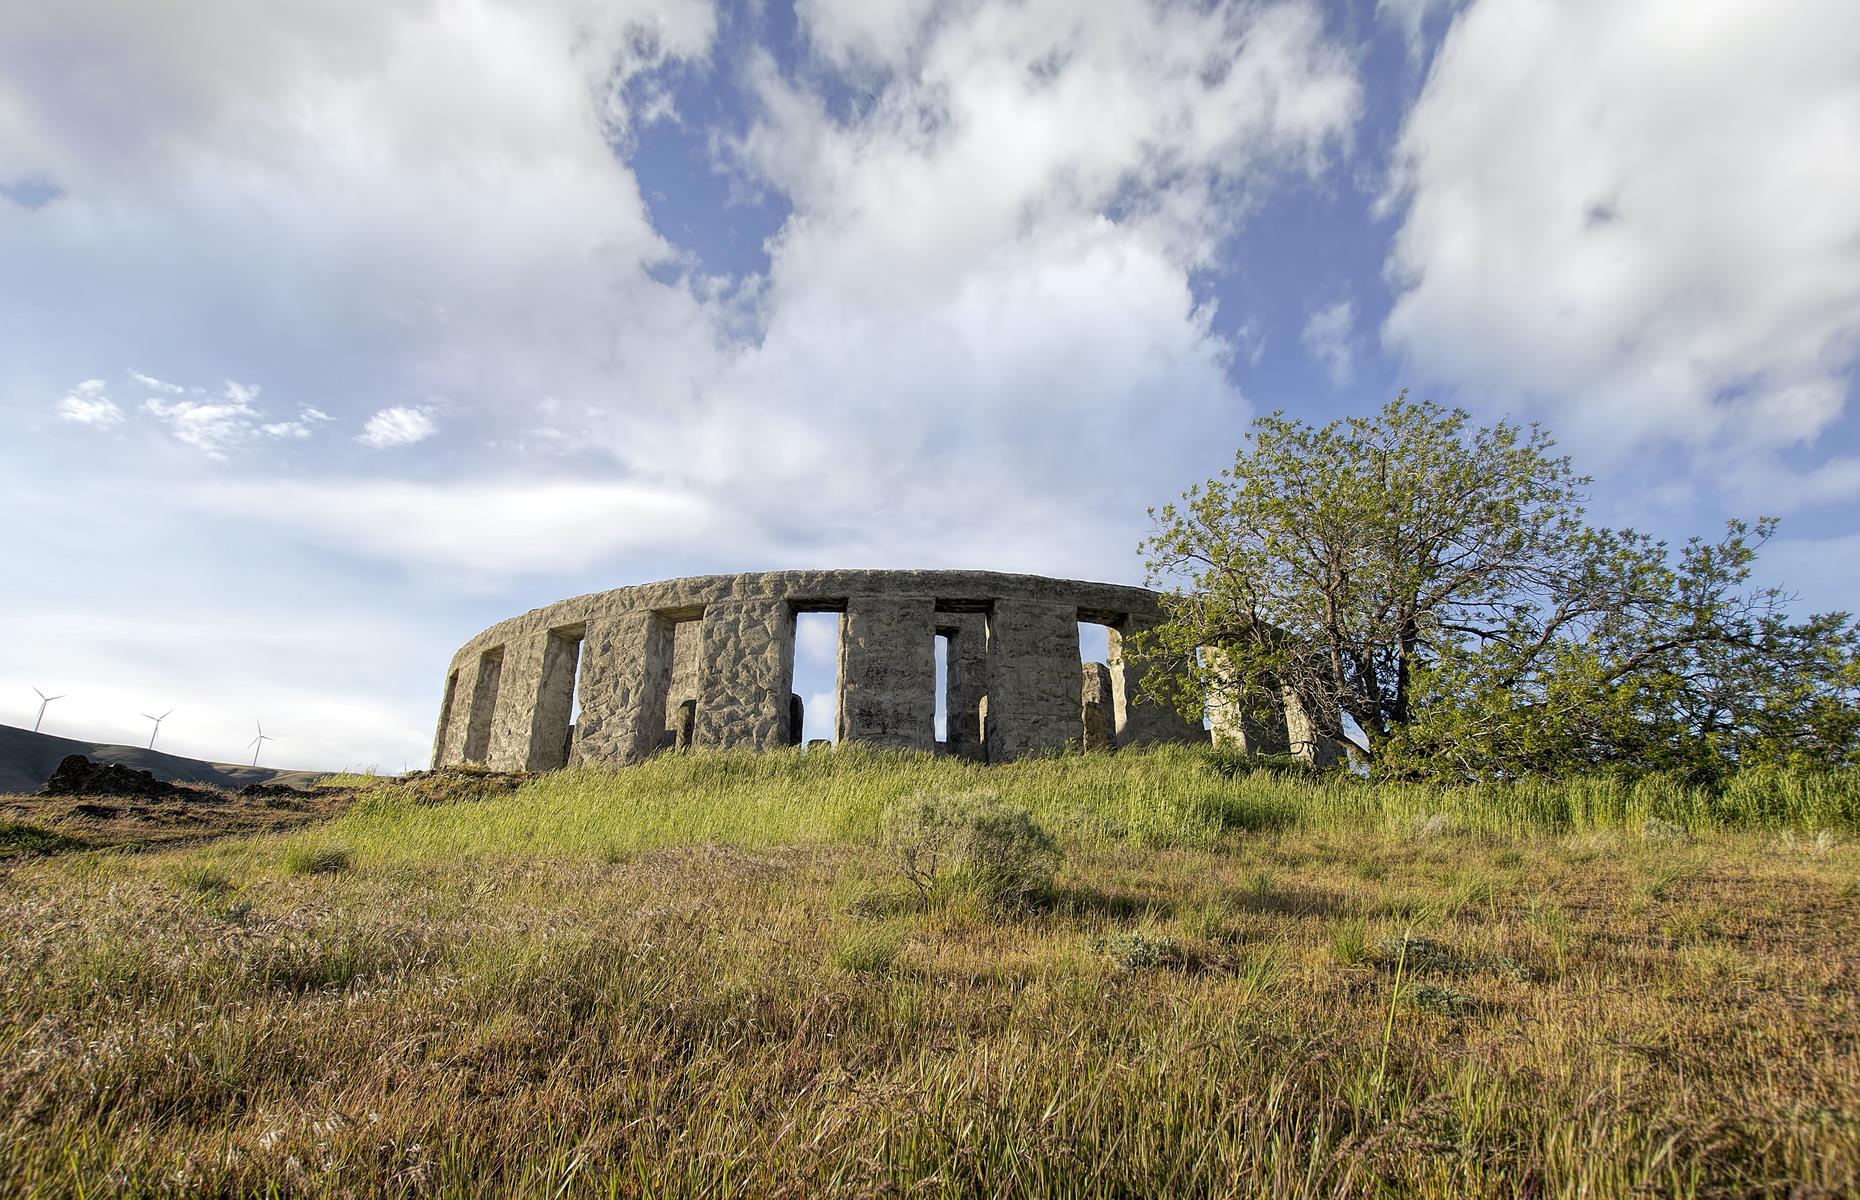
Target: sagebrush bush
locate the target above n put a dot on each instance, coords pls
(1135, 950)
(969, 842)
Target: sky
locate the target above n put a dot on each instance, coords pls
(334, 331)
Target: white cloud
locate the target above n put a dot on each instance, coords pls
(1638, 218)
(488, 528)
(86, 404)
(398, 426)
(1328, 337)
(981, 315)
(156, 385)
(216, 427)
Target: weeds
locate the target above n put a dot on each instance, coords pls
(870, 951)
(1135, 950)
(705, 976)
(318, 860)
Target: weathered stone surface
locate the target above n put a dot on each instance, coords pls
(748, 658)
(545, 687)
(455, 717)
(1304, 737)
(1136, 720)
(1235, 723)
(708, 661)
(626, 667)
(887, 672)
(1095, 706)
(1033, 678)
(443, 732)
(484, 693)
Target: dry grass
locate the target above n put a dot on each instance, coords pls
(673, 981)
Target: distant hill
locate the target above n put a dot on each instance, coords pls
(27, 759)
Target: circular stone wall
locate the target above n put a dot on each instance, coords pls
(709, 661)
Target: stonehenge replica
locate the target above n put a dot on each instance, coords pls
(708, 661)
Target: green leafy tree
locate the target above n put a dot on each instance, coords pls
(1439, 585)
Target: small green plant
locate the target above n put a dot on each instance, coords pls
(317, 860)
(1206, 921)
(1661, 883)
(870, 951)
(1135, 950)
(1349, 941)
(19, 837)
(1423, 956)
(969, 842)
(203, 880)
(1442, 1001)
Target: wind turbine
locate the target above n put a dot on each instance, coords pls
(258, 743)
(43, 701)
(158, 720)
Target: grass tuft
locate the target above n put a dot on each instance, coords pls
(870, 951)
(20, 837)
(318, 860)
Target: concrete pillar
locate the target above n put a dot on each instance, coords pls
(1033, 678)
(748, 657)
(1304, 737)
(478, 718)
(534, 694)
(965, 682)
(626, 667)
(1259, 729)
(546, 746)
(454, 713)
(1095, 706)
(1138, 721)
(887, 669)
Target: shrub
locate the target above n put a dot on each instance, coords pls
(970, 842)
(317, 860)
(1134, 950)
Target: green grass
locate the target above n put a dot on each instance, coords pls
(700, 977)
(1167, 798)
(21, 837)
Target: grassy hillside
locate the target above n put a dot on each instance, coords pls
(703, 976)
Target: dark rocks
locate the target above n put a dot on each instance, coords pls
(78, 776)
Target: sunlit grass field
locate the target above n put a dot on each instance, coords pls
(695, 977)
